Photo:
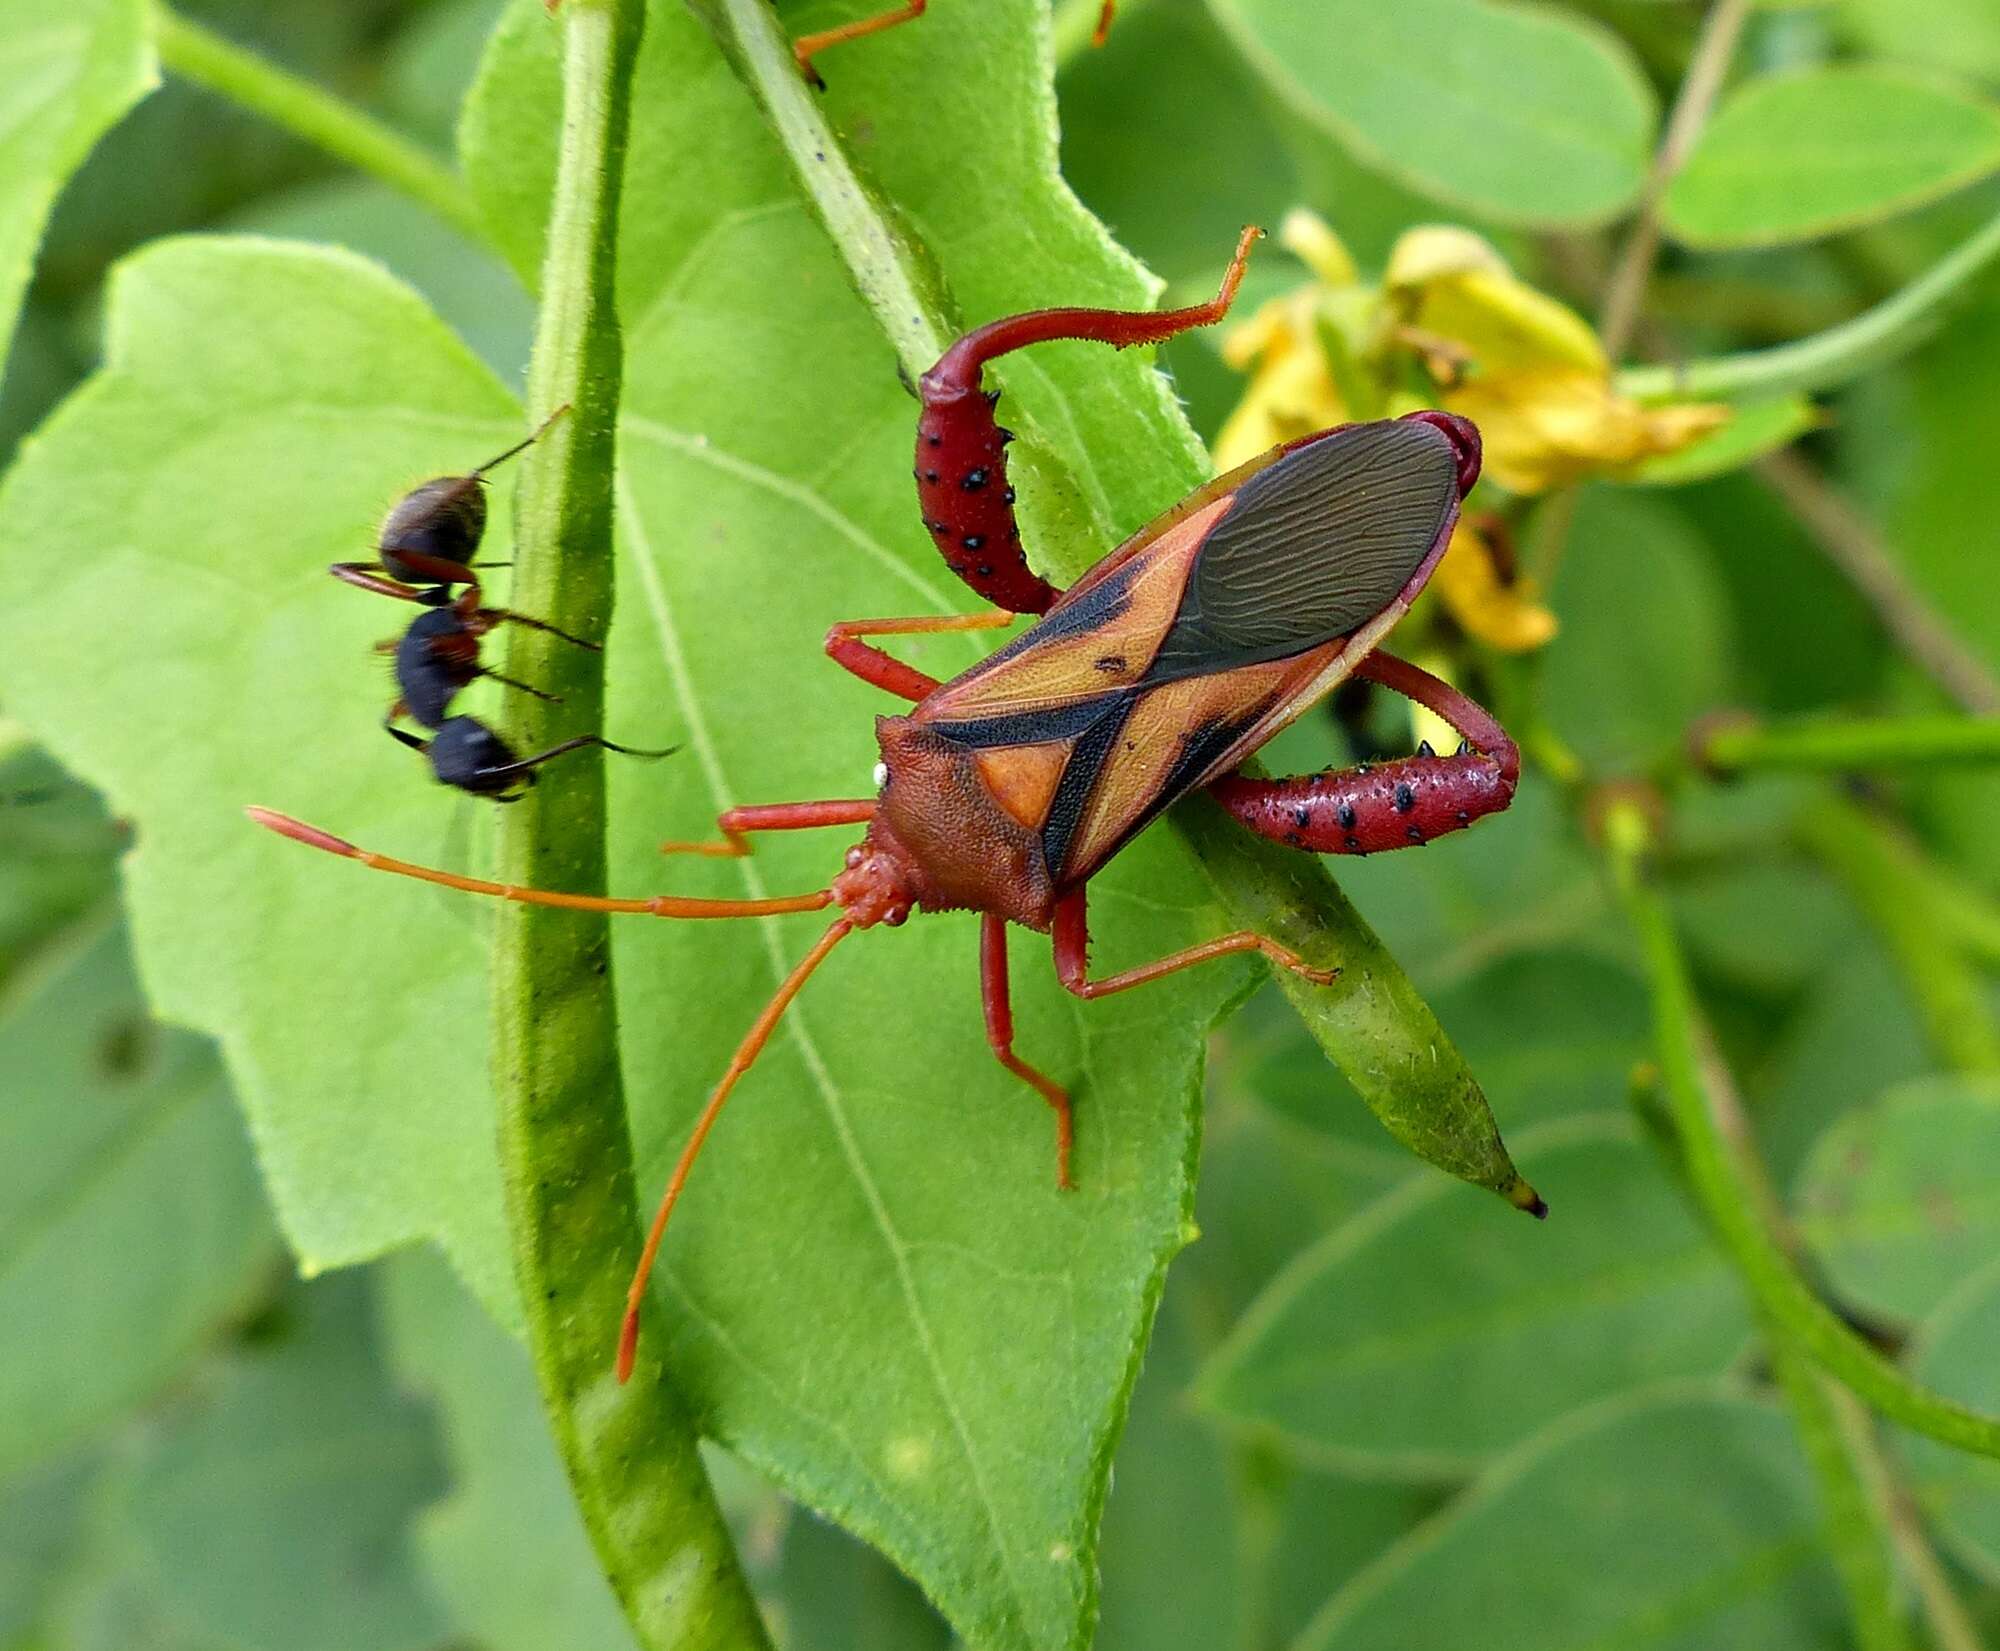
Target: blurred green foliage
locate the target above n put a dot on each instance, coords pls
(1378, 1410)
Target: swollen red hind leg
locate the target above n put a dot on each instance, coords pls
(997, 998)
(961, 463)
(1381, 806)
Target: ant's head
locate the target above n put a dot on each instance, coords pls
(469, 756)
(444, 518)
(879, 884)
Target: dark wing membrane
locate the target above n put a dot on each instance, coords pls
(1313, 547)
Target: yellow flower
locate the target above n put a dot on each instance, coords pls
(1490, 605)
(1450, 313)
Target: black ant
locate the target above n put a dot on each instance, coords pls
(429, 539)
(436, 658)
(466, 754)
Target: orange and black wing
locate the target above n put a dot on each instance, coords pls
(1199, 638)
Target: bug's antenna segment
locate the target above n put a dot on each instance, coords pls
(659, 905)
(1102, 32)
(746, 1052)
(540, 431)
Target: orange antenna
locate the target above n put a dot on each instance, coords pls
(659, 905)
(746, 1052)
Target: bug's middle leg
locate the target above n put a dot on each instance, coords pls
(961, 465)
(995, 996)
(1380, 806)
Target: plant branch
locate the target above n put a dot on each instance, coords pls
(309, 112)
(1885, 878)
(1372, 1022)
(1625, 292)
(1729, 744)
(631, 1453)
(1730, 1198)
(1854, 1490)
(1876, 336)
(1850, 542)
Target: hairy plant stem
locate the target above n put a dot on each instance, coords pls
(1372, 1022)
(1827, 359)
(631, 1453)
(1730, 1194)
(307, 111)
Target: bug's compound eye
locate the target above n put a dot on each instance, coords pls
(897, 917)
(881, 775)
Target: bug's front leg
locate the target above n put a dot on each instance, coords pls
(880, 670)
(1398, 804)
(997, 1000)
(961, 466)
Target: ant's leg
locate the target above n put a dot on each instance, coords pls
(660, 905)
(809, 46)
(479, 620)
(526, 688)
(369, 576)
(1072, 948)
(527, 765)
(961, 465)
(873, 666)
(737, 824)
(1387, 805)
(993, 993)
(1102, 32)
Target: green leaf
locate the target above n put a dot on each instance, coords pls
(1422, 1336)
(1623, 694)
(1957, 1352)
(1754, 429)
(1796, 156)
(66, 74)
(505, 1548)
(131, 1221)
(58, 852)
(877, 1155)
(43, 1514)
(272, 1511)
(306, 388)
(1959, 36)
(1680, 1521)
(1901, 1201)
(1522, 114)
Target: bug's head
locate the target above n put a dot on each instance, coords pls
(1463, 435)
(879, 883)
(445, 518)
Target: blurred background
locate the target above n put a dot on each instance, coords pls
(1363, 1422)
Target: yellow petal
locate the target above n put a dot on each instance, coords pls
(1451, 284)
(1310, 239)
(1549, 428)
(1291, 395)
(1488, 608)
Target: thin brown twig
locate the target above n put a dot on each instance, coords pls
(1706, 70)
(1849, 541)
